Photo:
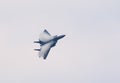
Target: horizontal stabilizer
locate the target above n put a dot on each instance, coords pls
(37, 49)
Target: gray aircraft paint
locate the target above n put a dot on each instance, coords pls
(46, 42)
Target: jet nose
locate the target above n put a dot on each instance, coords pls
(64, 35)
(61, 36)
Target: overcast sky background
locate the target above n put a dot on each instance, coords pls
(89, 53)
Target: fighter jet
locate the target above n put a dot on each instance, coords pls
(46, 42)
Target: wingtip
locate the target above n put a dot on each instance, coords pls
(45, 29)
(44, 58)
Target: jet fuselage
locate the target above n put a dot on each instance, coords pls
(46, 42)
(53, 41)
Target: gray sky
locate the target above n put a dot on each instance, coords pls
(88, 54)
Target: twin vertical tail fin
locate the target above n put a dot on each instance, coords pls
(37, 49)
(40, 42)
(36, 41)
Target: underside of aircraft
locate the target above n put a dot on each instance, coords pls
(46, 42)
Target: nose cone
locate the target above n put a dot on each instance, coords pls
(61, 36)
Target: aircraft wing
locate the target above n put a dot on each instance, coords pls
(45, 36)
(44, 50)
(45, 31)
